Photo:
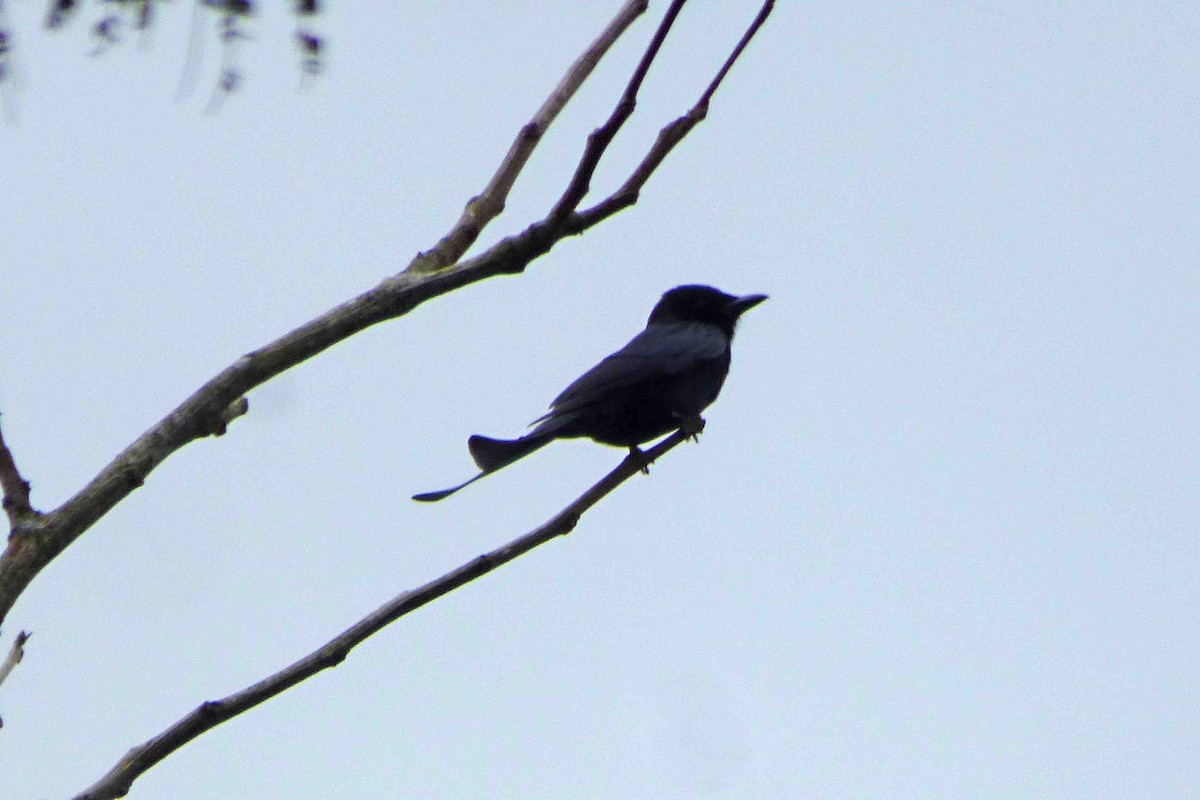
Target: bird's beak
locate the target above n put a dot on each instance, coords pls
(741, 305)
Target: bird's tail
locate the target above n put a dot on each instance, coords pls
(442, 494)
(493, 454)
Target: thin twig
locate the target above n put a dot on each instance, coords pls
(599, 139)
(671, 135)
(117, 782)
(539, 237)
(488, 204)
(15, 654)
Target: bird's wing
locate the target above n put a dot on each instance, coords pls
(659, 351)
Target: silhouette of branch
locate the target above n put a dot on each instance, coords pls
(117, 782)
(671, 135)
(514, 253)
(599, 139)
(221, 399)
(488, 204)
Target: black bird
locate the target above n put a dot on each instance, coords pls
(667, 374)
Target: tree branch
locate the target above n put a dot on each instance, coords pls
(15, 654)
(15, 489)
(599, 139)
(210, 408)
(117, 782)
(671, 135)
(488, 204)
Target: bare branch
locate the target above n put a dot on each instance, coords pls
(488, 204)
(207, 411)
(15, 654)
(599, 139)
(671, 135)
(15, 488)
(117, 782)
(539, 237)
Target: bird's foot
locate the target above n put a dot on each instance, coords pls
(636, 455)
(692, 426)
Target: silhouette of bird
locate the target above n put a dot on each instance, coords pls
(667, 374)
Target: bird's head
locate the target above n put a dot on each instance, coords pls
(703, 304)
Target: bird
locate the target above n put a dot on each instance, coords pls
(663, 378)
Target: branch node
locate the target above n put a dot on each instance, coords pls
(210, 708)
(530, 132)
(231, 412)
(490, 202)
(134, 473)
(333, 658)
(567, 521)
(564, 217)
(22, 488)
(27, 526)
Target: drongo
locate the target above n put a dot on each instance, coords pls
(667, 374)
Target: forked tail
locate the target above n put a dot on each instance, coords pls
(490, 455)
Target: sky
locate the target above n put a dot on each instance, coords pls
(938, 539)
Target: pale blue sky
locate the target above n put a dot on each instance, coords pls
(939, 539)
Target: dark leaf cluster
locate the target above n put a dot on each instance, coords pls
(112, 18)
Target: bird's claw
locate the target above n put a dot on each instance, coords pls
(692, 426)
(636, 455)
